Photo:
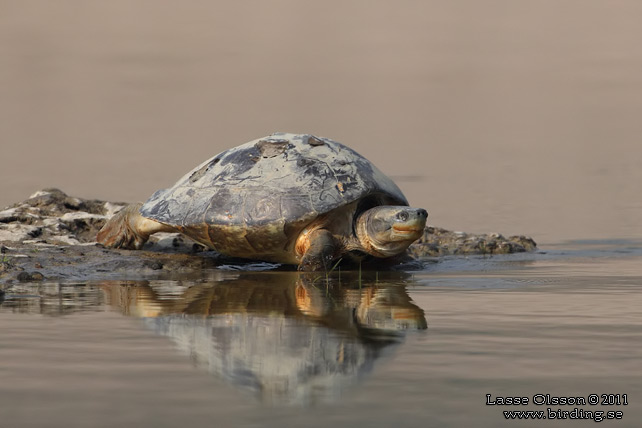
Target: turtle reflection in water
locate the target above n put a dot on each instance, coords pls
(281, 336)
(286, 198)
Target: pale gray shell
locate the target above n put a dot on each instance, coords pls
(282, 178)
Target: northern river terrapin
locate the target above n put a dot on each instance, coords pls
(286, 198)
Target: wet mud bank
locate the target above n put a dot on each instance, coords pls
(52, 236)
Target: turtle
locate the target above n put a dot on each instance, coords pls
(286, 198)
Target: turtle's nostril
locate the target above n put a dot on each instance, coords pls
(422, 213)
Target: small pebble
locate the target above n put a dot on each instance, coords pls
(24, 276)
(154, 265)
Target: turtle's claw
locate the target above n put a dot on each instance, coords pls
(311, 264)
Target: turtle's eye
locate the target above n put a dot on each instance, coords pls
(402, 216)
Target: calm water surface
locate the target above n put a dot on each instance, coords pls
(283, 349)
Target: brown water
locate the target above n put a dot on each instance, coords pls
(516, 117)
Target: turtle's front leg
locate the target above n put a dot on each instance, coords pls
(320, 253)
(128, 229)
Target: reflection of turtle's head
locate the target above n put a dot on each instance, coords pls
(386, 231)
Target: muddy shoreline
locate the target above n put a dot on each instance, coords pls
(51, 236)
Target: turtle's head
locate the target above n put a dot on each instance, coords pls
(386, 231)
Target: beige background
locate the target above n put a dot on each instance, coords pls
(510, 116)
